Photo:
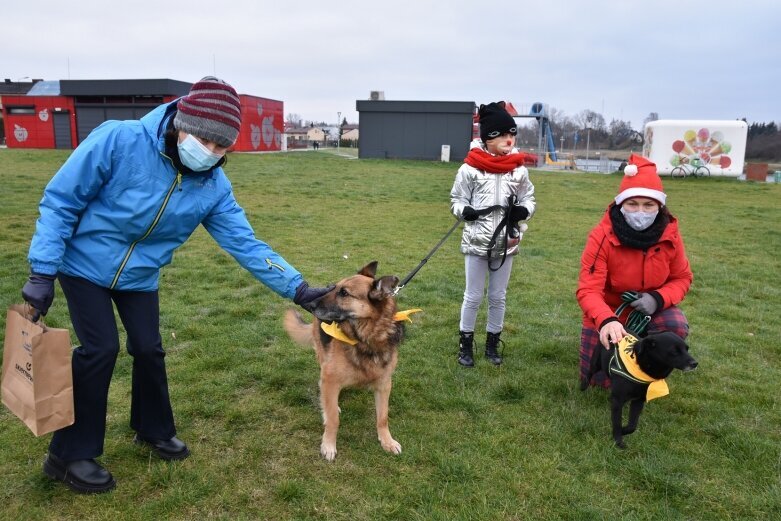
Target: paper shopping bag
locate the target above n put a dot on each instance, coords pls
(37, 379)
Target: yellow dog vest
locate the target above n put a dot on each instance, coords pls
(624, 364)
(334, 331)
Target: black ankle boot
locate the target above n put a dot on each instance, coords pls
(491, 344)
(465, 349)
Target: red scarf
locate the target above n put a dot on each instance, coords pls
(482, 160)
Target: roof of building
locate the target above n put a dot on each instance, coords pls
(15, 88)
(131, 87)
(45, 88)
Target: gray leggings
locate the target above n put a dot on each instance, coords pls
(476, 271)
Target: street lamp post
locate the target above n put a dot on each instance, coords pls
(589, 119)
(339, 131)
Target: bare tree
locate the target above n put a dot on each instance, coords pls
(294, 120)
(652, 116)
(590, 119)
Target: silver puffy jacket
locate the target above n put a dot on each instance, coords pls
(479, 190)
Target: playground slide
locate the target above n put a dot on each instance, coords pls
(549, 137)
(538, 111)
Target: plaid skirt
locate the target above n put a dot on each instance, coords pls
(671, 319)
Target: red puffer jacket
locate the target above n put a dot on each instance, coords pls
(607, 269)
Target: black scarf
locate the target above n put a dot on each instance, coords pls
(631, 237)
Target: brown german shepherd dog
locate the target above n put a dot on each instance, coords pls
(364, 356)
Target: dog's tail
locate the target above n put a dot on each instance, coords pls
(297, 329)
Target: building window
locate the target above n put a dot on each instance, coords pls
(90, 99)
(21, 110)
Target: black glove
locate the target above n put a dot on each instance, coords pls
(469, 213)
(38, 291)
(518, 213)
(645, 304)
(307, 297)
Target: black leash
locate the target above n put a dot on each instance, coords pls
(503, 224)
(426, 258)
(483, 211)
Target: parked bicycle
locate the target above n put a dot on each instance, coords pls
(694, 168)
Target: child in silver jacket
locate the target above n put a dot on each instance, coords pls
(492, 192)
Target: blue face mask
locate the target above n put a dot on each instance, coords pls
(195, 156)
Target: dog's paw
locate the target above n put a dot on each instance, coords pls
(584, 384)
(627, 430)
(620, 444)
(392, 446)
(328, 451)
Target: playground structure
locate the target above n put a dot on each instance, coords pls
(546, 149)
(539, 111)
(567, 161)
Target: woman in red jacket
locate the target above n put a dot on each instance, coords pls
(635, 247)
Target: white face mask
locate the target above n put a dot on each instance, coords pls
(639, 221)
(195, 156)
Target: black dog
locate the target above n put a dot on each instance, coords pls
(656, 356)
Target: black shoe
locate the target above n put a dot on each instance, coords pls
(466, 360)
(465, 356)
(173, 449)
(492, 341)
(85, 476)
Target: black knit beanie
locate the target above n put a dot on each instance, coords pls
(495, 121)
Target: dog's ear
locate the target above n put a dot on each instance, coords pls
(370, 270)
(383, 287)
(644, 344)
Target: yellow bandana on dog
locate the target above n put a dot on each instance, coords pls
(624, 364)
(334, 331)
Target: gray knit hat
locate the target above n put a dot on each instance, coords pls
(212, 110)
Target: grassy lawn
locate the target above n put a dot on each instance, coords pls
(514, 442)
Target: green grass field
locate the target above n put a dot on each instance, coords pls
(515, 442)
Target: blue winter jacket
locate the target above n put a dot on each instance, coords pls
(117, 209)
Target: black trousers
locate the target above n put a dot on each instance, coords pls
(92, 315)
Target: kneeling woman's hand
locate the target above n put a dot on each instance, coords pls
(613, 331)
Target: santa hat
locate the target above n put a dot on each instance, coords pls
(641, 180)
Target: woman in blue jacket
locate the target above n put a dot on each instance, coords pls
(110, 218)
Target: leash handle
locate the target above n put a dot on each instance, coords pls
(636, 321)
(426, 258)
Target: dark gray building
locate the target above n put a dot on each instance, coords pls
(414, 129)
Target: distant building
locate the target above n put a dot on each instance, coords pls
(414, 129)
(60, 114)
(316, 134)
(350, 132)
(12, 88)
(297, 138)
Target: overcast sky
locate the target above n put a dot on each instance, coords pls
(621, 58)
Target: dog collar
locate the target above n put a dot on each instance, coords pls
(624, 364)
(333, 329)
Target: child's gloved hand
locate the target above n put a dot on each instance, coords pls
(469, 213)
